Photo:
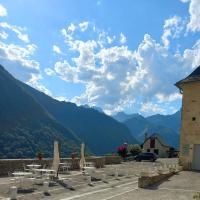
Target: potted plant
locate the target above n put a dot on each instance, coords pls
(39, 156)
(122, 151)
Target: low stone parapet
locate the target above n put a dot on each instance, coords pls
(109, 160)
(147, 181)
(11, 165)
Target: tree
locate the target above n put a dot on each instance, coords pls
(134, 149)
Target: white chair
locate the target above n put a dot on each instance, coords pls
(65, 167)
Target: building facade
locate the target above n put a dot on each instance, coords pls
(190, 127)
(154, 144)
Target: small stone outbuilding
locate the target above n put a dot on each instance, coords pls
(154, 144)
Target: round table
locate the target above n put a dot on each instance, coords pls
(21, 176)
(33, 166)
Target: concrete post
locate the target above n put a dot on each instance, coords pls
(104, 178)
(116, 174)
(13, 193)
(89, 180)
(46, 187)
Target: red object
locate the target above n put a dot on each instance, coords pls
(39, 156)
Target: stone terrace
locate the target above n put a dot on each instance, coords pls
(75, 185)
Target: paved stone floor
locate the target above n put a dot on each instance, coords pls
(179, 187)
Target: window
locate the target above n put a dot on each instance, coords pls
(194, 119)
(148, 150)
(152, 143)
(156, 151)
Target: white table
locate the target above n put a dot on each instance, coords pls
(21, 176)
(33, 166)
(65, 166)
(46, 172)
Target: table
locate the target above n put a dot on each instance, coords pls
(33, 166)
(46, 172)
(21, 176)
(65, 166)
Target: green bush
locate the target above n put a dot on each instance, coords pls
(134, 149)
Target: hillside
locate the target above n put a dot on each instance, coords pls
(101, 133)
(25, 126)
(122, 117)
(166, 125)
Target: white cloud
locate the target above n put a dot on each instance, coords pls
(191, 56)
(185, 1)
(152, 108)
(19, 54)
(18, 30)
(110, 39)
(71, 28)
(168, 98)
(122, 38)
(49, 71)
(172, 28)
(56, 49)
(3, 35)
(3, 11)
(116, 78)
(34, 82)
(61, 98)
(194, 11)
(83, 26)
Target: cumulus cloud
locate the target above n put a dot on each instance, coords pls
(16, 29)
(122, 38)
(172, 29)
(115, 77)
(185, 1)
(19, 54)
(152, 108)
(3, 35)
(34, 82)
(83, 26)
(3, 11)
(194, 11)
(49, 71)
(17, 58)
(56, 49)
(168, 98)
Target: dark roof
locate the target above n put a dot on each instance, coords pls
(156, 136)
(193, 77)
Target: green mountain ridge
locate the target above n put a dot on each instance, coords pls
(167, 126)
(101, 133)
(30, 121)
(26, 127)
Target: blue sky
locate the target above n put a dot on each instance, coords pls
(117, 55)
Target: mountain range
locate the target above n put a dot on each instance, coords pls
(167, 126)
(30, 120)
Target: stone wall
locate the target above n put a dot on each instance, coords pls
(11, 165)
(109, 160)
(147, 181)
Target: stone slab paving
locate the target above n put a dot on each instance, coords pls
(182, 186)
(179, 187)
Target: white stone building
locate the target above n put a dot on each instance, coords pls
(154, 144)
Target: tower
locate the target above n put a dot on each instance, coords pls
(190, 121)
